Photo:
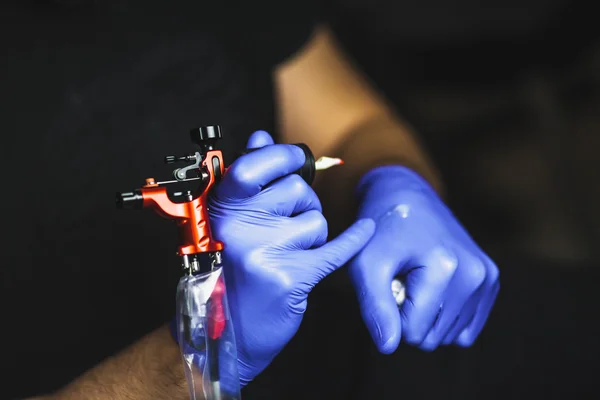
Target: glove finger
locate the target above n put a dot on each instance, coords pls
(466, 282)
(307, 231)
(426, 287)
(468, 336)
(470, 310)
(339, 251)
(291, 196)
(465, 318)
(488, 293)
(372, 272)
(251, 172)
(259, 139)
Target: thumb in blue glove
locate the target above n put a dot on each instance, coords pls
(450, 283)
(276, 248)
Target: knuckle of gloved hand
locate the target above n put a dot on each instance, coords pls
(415, 336)
(476, 271)
(241, 172)
(444, 261)
(428, 345)
(466, 339)
(294, 154)
(318, 223)
(297, 186)
(493, 272)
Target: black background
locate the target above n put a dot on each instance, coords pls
(93, 98)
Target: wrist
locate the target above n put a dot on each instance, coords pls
(390, 178)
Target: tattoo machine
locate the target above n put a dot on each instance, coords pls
(204, 328)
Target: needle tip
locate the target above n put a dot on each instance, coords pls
(327, 162)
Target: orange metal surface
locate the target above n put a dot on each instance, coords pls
(192, 216)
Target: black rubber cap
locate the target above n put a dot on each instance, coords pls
(205, 133)
(307, 171)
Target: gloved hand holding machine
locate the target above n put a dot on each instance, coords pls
(204, 329)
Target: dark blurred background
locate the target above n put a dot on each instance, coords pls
(506, 97)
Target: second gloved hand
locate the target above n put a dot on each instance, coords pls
(451, 284)
(275, 248)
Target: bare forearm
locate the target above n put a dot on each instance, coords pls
(149, 369)
(382, 140)
(327, 103)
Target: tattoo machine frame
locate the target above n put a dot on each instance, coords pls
(204, 329)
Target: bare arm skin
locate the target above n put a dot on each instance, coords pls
(326, 102)
(149, 369)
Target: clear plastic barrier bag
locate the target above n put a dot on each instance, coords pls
(206, 337)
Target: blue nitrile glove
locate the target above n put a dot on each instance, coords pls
(275, 248)
(450, 284)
